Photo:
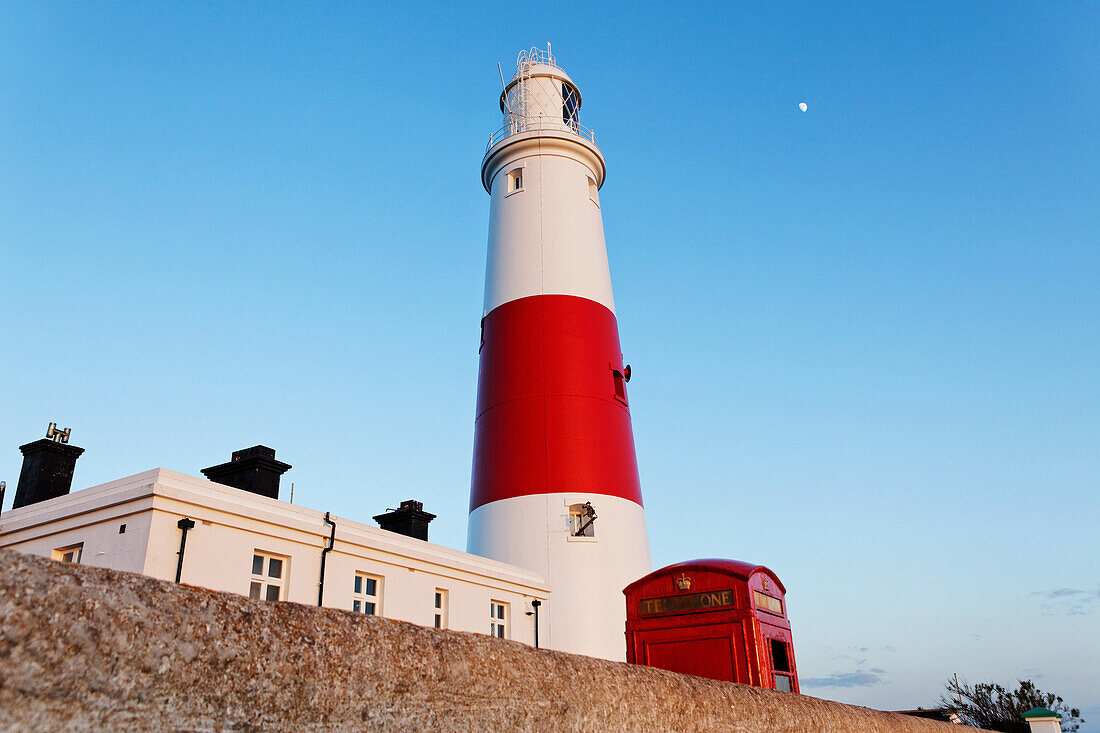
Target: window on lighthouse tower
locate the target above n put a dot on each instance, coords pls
(619, 380)
(515, 180)
(569, 106)
(582, 520)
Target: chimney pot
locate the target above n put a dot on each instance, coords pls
(252, 469)
(47, 472)
(410, 520)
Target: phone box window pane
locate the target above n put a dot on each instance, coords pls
(275, 568)
(782, 683)
(257, 565)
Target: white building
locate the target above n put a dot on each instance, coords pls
(244, 543)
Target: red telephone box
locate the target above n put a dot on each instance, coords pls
(722, 619)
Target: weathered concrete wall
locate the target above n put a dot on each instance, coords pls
(91, 649)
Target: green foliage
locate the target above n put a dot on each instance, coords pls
(988, 705)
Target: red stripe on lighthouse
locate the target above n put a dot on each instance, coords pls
(548, 419)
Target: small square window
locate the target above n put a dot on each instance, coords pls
(515, 180)
(122, 529)
(593, 191)
(69, 554)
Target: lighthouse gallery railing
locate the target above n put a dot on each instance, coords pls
(517, 125)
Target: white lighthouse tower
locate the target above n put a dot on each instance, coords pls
(555, 479)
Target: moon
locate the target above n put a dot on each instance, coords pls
(802, 106)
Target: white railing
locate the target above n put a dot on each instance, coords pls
(517, 125)
(536, 56)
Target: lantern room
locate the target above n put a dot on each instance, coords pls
(722, 619)
(540, 96)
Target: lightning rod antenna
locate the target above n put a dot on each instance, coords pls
(504, 87)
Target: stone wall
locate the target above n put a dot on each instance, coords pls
(90, 649)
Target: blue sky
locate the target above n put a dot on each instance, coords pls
(865, 338)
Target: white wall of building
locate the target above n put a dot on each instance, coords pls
(231, 525)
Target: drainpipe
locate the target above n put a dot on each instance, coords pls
(535, 605)
(324, 552)
(184, 525)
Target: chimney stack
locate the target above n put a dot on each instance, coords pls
(253, 469)
(410, 520)
(48, 466)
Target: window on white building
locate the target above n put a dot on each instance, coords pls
(440, 608)
(71, 553)
(268, 576)
(367, 596)
(498, 619)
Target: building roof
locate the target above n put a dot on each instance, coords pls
(1041, 713)
(736, 568)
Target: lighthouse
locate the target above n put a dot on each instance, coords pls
(555, 479)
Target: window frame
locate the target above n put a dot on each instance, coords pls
(570, 106)
(441, 601)
(77, 549)
(618, 385)
(265, 580)
(499, 612)
(362, 598)
(514, 181)
(593, 191)
(577, 515)
(787, 673)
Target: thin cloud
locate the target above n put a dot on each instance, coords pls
(859, 678)
(1069, 601)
